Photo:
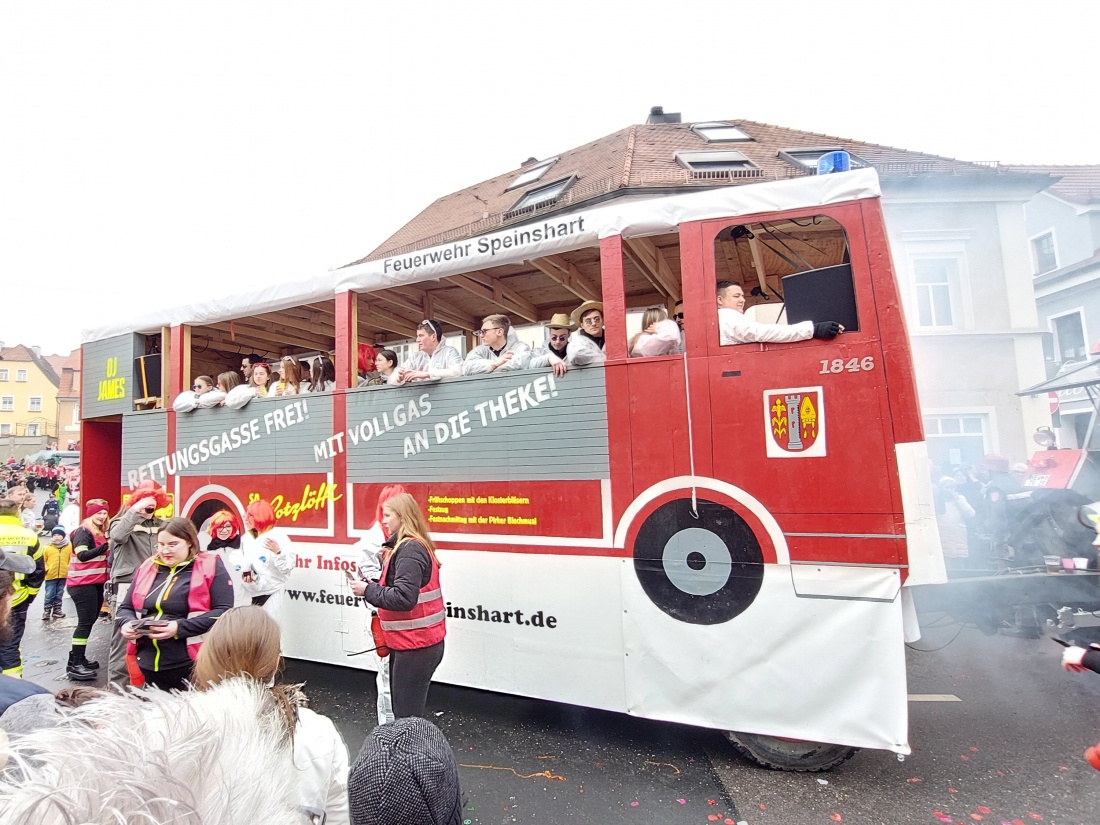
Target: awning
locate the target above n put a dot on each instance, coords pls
(1081, 377)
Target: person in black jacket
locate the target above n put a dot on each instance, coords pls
(166, 645)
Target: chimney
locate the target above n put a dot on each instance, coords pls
(528, 162)
(657, 115)
(37, 351)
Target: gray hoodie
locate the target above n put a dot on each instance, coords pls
(133, 540)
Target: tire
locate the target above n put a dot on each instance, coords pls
(789, 754)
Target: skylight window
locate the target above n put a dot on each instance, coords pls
(532, 173)
(808, 158)
(542, 196)
(717, 132)
(714, 161)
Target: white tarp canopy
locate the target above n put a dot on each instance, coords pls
(546, 235)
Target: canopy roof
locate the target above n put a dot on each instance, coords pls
(1080, 377)
(515, 244)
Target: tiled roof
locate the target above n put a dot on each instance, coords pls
(56, 361)
(643, 157)
(70, 375)
(22, 354)
(1078, 184)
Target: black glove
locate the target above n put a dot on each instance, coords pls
(826, 329)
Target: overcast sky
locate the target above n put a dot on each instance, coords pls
(156, 153)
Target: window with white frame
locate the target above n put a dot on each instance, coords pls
(1069, 336)
(32, 429)
(727, 161)
(35, 403)
(1044, 254)
(7, 403)
(540, 196)
(4, 375)
(5, 429)
(719, 132)
(532, 173)
(20, 375)
(956, 440)
(936, 283)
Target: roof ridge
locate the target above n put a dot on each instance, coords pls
(629, 160)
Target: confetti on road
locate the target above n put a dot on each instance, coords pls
(914, 780)
(634, 804)
(836, 818)
(1034, 815)
(975, 750)
(952, 790)
(665, 764)
(964, 758)
(983, 810)
(822, 781)
(682, 801)
(941, 816)
(713, 817)
(544, 774)
(1063, 768)
(711, 802)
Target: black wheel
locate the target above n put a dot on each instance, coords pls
(789, 754)
(700, 568)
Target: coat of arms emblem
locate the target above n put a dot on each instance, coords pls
(795, 422)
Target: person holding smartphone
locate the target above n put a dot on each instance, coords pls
(133, 539)
(175, 597)
(410, 605)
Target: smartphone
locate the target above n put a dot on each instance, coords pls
(1061, 642)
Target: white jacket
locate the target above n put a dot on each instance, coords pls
(735, 328)
(583, 350)
(665, 341)
(271, 570)
(480, 359)
(215, 757)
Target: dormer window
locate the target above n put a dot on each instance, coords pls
(532, 173)
(718, 132)
(542, 196)
(808, 158)
(714, 161)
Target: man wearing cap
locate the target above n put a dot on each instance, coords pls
(499, 350)
(434, 360)
(735, 328)
(587, 343)
(16, 540)
(133, 537)
(554, 352)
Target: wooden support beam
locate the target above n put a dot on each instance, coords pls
(387, 322)
(496, 293)
(758, 264)
(277, 320)
(443, 309)
(560, 270)
(272, 339)
(648, 257)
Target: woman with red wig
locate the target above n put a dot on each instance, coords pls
(367, 367)
(266, 557)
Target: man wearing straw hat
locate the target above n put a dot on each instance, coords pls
(587, 342)
(553, 353)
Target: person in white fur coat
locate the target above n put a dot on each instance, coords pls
(239, 750)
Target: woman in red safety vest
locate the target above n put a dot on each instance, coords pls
(176, 597)
(410, 604)
(87, 575)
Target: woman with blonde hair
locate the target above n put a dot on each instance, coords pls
(290, 377)
(261, 375)
(410, 604)
(659, 335)
(228, 380)
(245, 644)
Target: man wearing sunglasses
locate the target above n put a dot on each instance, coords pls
(133, 536)
(587, 343)
(554, 352)
(434, 360)
(678, 317)
(496, 352)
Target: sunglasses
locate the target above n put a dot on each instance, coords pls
(679, 316)
(592, 320)
(196, 386)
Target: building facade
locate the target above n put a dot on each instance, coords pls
(28, 394)
(1063, 233)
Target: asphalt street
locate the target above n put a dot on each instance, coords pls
(1006, 746)
(1001, 742)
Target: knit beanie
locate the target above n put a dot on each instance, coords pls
(94, 508)
(405, 774)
